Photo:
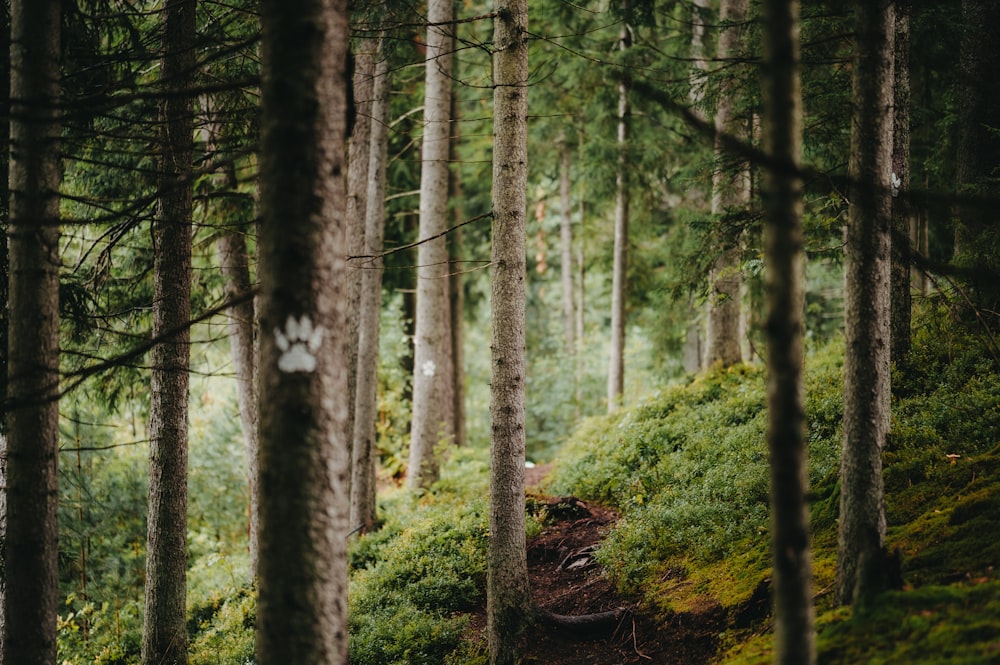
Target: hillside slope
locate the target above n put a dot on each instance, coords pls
(688, 471)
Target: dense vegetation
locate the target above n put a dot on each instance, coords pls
(687, 469)
(685, 461)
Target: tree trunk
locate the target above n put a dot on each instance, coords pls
(235, 263)
(730, 196)
(304, 451)
(566, 248)
(366, 405)
(785, 287)
(432, 374)
(31, 547)
(978, 147)
(508, 596)
(456, 289)
(902, 214)
(359, 149)
(4, 299)
(164, 631)
(619, 287)
(861, 560)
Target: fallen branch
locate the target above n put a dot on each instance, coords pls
(608, 620)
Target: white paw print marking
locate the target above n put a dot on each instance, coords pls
(298, 345)
(429, 368)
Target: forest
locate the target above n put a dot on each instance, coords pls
(458, 332)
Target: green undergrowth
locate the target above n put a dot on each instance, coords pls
(688, 470)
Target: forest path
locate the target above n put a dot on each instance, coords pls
(567, 580)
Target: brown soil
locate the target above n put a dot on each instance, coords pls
(566, 580)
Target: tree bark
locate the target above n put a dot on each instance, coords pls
(359, 149)
(4, 291)
(456, 288)
(861, 537)
(235, 263)
(619, 286)
(730, 195)
(978, 148)
(432, 375)
(366, 405)
(31, 547)
(508, 596)
(304, 450)
(902, 213)
(785, 287)
(164, 631)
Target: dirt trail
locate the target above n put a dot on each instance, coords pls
(566, 579)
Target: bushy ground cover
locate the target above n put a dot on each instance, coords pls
(687, 470)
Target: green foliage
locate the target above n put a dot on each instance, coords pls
(413, 580)
(222, 630)
(689, 470)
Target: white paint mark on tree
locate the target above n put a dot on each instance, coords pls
(429, 368)
(298, 344)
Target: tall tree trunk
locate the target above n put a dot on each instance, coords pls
(902, 213)
(730, 195)
(508, 596)
(31, 547)
(304, 451)
(978, 155)
(566, 247)
(785, 286)
(619, 287)
(359, 149)
(456, 288)
(235, 263)
(164, 631)
(432, 374)
(366, 405)
(4, 299)
(861, 560)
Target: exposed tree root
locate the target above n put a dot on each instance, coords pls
(580, 623)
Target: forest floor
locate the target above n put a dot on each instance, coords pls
(565, 579)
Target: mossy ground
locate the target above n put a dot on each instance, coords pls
(687, 472)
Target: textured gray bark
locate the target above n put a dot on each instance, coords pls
(902, 213)
(861, 537)
(370, 307)
(508, 596)
(304, 450)
(794, 642)
(31, 547)
(235, 263)
(619, 271)
(433, 420)
(164, 631)
(358, 151)
(730, 195)
(566, 248)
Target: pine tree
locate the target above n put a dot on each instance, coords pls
(432, 373)
(508, 595)
(861, 561)
(304, 450)
(785, 285)
(164, 634)
(31, 538)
